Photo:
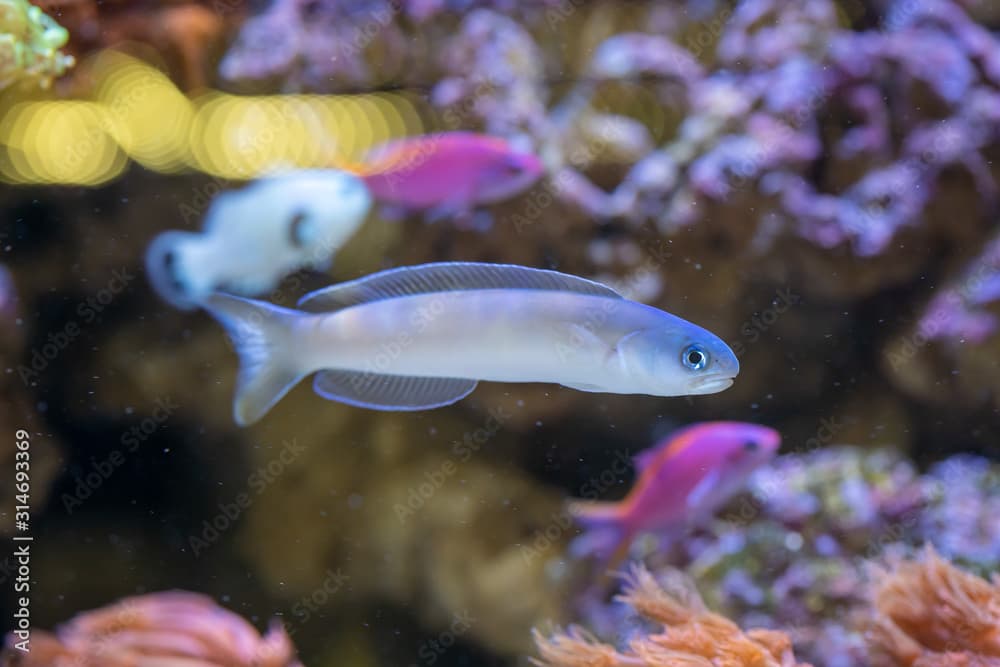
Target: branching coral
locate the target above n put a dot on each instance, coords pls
(928, 612)
(29, 44)
(767, 126)
(311, 44)
(170, 628)
(329, 44)
(692, 635)
(951, 349)
(756, 120)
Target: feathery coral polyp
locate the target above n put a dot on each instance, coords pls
(929, 612)
(168, 628)
(692, 635)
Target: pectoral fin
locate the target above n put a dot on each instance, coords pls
(700, 495)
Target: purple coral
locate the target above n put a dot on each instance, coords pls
(756, 115)
(312, 43)
(963, 310)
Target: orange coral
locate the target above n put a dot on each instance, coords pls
(171, 628)
(692, 635)
(928, 612)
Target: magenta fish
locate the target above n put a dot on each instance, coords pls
(448, 174)
(683, 480)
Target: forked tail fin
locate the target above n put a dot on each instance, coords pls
(170, 273)
(262, 336)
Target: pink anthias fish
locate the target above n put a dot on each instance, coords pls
(448, 174)
(682, 481)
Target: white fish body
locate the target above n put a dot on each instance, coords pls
(422, 337)
(254, 237)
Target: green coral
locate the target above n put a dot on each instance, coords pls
(29, 45)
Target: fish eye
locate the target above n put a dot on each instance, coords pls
(751, 446)
(170, 264)
(297, 230)
(694, 357)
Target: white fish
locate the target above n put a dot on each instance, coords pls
(254, 237)
(421, 337)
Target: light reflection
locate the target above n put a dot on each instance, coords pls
(134, 111)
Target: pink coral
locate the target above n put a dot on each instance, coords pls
(168, 629)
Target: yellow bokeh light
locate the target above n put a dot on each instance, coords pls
(61, 142)
(345, 128)
(389, 110)
(151, 117)
(374, 113)
(134, 110)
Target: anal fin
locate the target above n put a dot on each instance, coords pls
(391, 392)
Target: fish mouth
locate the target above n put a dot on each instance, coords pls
(711, 385)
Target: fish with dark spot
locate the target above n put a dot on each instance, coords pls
(255, 236)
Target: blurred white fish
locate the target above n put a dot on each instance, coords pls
(255, 236)
(421, 337)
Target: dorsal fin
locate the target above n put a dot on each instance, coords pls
(644, 459)
(670, 446)
(446, 277)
